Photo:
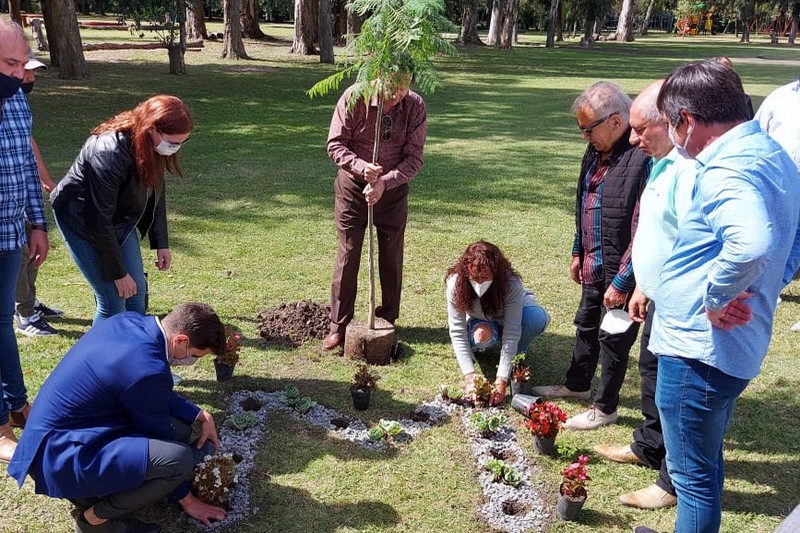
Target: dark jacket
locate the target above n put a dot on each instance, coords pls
(102, 199)
(622, 186)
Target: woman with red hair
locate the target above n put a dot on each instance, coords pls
(486, 304)
(115, 187)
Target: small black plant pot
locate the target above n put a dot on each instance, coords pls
(224, 371)
(521, 387)
(360, 398)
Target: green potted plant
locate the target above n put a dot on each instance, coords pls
(572, 491)
(543, 421)
(364, 383)
(225, 363)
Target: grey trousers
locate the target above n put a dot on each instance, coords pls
(169, 464)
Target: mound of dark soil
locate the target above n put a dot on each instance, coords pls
(292, 324)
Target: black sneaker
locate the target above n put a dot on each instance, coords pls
(35, 326)
(123, 525)
(46, 312)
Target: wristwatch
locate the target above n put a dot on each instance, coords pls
(40, 227)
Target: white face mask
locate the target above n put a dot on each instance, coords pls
(480, 288)
(167, 148)
(189, 360)
(682, 150)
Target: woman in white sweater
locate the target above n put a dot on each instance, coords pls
(487, 303)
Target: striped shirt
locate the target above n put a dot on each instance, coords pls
(20, 189)
(592, 268)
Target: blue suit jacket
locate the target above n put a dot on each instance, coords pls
(88, 431)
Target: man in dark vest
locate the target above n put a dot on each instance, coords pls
(613, 173)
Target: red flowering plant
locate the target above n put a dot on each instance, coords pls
(574, 478)
(544, 419)
(233, 343)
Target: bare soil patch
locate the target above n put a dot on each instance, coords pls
(290, 325)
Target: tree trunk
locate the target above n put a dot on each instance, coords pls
(339, 11)
(746, 13)
(177, 50)
(793, 26)
(509, 23)
(552, 19)
(50, 26)
(469, 23)
(646, 21)
(14, 11)
(303, 43)
(495, 23)
(353, 24)
(232, 45)
(70, 59)
(560, 23)
(625, 24)
(195, 21)
(250, 27)
(325, 32)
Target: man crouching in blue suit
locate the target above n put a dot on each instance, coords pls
(107, 431)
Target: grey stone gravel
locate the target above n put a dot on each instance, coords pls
(531, 513)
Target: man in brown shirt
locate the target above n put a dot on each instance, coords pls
(384, 185)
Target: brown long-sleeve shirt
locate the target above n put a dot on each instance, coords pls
(352, 133)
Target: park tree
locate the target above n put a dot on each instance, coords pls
(508, 30)
(14, 11)
(552, 20)
(325, 32)
(64, 40)
(747, 11)
(232, 44)
(495, 22)
(165, 19)
(646, 20)
(304, 25)
(469, 23)
(795, 13)
(195, 21)
(625, 24)
(250, 27)
(396, 36)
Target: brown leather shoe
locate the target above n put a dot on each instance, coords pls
(8, 443)
(333, 340)
(652, 497)
(619, 454)
(18, 418)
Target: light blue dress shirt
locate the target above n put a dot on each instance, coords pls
(737, 236)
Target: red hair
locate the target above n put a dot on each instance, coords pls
(165, 113)
(479, 255)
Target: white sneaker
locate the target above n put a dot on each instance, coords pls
(559, 391)
(176, 379)
(591, 419)
(796, 326)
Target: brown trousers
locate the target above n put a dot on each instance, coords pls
(389, 216)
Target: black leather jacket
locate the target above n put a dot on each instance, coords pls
(102, 200)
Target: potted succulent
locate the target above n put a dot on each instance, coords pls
(225, 363)
(362, 387)
(543, 421)
(572, 491)
(520, 375)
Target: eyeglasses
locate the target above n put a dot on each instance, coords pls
(590, 128)
(386, 130)
(170, 143)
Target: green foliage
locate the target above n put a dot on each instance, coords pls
(488, 425)
(304, 404)
(385, 430)
(502, 472)
(290, 395)
(241, 421)
(363, 378)
(453, 393)
(399, 36)
(482, 389)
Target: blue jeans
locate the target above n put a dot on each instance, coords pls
(14, 393)
(695, 402)
(106, 295)
(534, 321)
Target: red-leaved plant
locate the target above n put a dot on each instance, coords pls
(233, 343)
(544, 419)
(574, 478)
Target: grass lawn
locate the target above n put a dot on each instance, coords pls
(251, 227)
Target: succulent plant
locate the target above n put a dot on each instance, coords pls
(488, 425)
(385, 430)
(290, 395)
(304, 404)
(241, 421)
(502, 472)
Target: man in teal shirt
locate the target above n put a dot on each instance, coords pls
(718, 289)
